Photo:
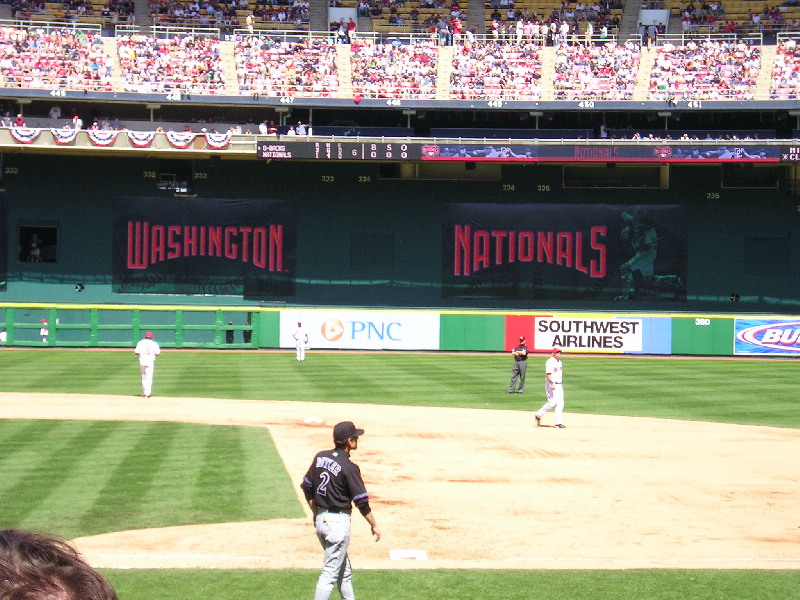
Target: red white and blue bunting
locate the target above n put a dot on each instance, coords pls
(180, 139)
(64, 136)
(100, 137)
(218, 141)
(25, 135)
(141, 139)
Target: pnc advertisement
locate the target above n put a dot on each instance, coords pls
(777, 337)
(362, 330)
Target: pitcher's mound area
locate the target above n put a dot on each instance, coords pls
(488, 489)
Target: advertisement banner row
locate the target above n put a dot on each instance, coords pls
(581, 333)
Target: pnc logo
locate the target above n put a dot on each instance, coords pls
(332, 329)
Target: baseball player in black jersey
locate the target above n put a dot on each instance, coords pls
(331, 486)
(520, 354)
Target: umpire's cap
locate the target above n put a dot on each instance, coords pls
(345, 430)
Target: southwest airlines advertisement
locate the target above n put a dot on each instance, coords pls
(362, 329)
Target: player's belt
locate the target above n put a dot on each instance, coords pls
(335, 511)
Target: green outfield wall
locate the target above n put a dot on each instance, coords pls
(326, 234)
(64, 325)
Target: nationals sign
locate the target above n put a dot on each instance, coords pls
(203, 246)
(565, 252)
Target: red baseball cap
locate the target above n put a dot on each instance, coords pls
(148, 335)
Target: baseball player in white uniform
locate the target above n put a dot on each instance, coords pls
(300, 339)
(554, 375)
(44, 332)
(147, 349)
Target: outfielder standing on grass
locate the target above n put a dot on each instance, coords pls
(300, 340)
(331, 484)
(520, 354)
(554, 375)
(147, 349)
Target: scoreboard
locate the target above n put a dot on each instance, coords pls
(750, 151)
(325, 150)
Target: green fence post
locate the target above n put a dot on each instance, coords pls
(218, 332)
(179, 329)
(94, 324)
(52, 327)
(136, 326)
(10, 326)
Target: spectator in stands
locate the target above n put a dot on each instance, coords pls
(35, 566)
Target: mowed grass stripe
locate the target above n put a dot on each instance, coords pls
(749, 391)
(222, 461)
(144, 448)
(81, 476)
(463, 584)
(35, 477)
(77, 478)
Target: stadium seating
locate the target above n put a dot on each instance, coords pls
(705, 70)
(392, 70)
(281, 68)
(786, 72)
(274, 64)
(496, 71)
(188, 65)
(596, 72)
(54, 59)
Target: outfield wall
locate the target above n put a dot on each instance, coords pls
(353, 234)
(400, 330)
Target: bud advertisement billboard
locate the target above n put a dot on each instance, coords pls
(207, 246)
(776, 337)
(593, 252)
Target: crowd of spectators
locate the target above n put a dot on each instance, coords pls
(495, 71)
(705, 70)
(57, 59)
(228, 15)
(393, 70)
(273, 68)
(786, 72)
(596, 71)
(705, 16)
(74, 11)
(187, 65)
(566, 21)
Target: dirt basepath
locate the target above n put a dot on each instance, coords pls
(482, 488)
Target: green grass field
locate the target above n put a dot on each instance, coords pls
(85, 477)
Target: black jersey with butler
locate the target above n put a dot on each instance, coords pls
(333, 482)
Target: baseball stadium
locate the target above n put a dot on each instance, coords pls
(418, 187)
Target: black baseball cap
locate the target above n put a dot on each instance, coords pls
(346, 430)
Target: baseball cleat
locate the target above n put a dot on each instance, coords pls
(560, 426)
(538, 420)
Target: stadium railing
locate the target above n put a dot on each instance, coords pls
(97, 326)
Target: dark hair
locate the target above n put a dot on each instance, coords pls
(35, 566)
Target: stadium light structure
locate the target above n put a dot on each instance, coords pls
(666, 114)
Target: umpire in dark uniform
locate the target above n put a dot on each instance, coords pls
(520, 354)
(331, 486)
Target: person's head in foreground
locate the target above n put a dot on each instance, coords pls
(35, 566)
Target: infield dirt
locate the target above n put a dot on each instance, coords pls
(488, 489)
